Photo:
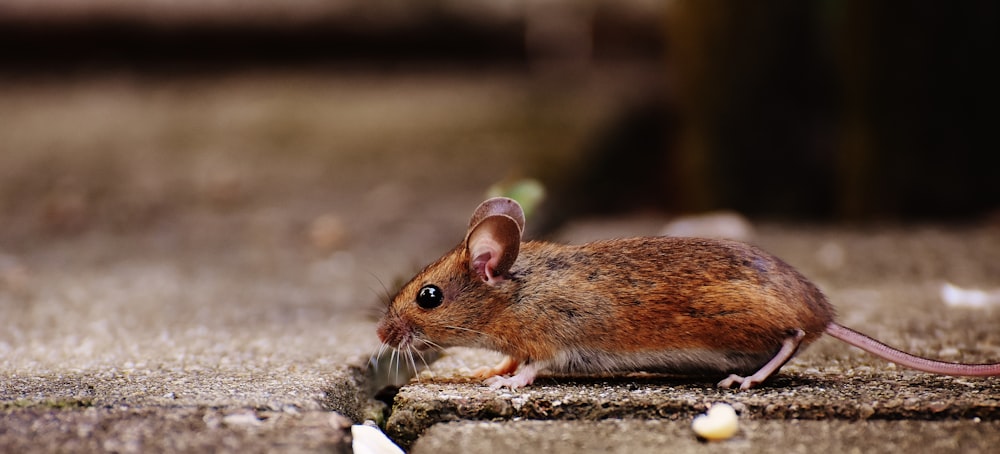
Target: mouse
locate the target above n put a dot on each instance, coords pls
(686, 306)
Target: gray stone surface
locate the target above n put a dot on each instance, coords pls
(175, 352)
(178, 334)
(798, 395)
(755, 436)
(184, 429)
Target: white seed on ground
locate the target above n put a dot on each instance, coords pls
(956, 296)
(370, 440)
(719, 423)
(246, 419)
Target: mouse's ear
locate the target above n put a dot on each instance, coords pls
(494, 238)
(498, 205)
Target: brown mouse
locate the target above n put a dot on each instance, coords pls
(678, 305)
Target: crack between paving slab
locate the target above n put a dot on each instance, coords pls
(352, 396)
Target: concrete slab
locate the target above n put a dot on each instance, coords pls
(179, 333)
(796, 395)
(180, 429)
(755, 436)
(177, 353)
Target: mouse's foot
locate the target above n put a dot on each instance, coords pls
(744, 382)
(788, 348)
(505, 367)
(523, 378)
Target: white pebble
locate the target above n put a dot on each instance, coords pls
(956, 296)
(371, 440)
(241, 419)
(719, 423)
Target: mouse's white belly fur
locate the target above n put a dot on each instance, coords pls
(690, 361)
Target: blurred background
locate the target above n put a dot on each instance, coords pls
(298, 123)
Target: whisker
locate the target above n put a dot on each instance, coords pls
(413, 363)
(465, 329)
(373, 360)
(387, 294)
(376, 357)
(426, 365)
(433, 344)
(380, 295)
(394, 359)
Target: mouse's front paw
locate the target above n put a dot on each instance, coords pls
(523, 378)
(507, 366)
(513, 383)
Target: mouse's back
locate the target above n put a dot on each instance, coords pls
(645, 296)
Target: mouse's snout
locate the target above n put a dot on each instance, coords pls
(384, 331)
(391, 331)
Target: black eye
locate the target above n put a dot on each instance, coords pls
(429, 297)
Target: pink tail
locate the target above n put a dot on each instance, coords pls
(907, 360)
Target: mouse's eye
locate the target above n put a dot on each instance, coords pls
(430, 296)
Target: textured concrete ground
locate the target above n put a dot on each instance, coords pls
(197, 265)
(757, 436)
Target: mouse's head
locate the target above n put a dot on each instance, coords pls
(452, 301)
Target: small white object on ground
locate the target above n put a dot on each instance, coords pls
(245, 419)
(954, 295)
(370, 440)
(719, 423)
(716, 224)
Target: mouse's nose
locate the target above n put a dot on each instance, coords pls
(389, 331)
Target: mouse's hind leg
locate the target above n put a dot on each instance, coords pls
(788, 348)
